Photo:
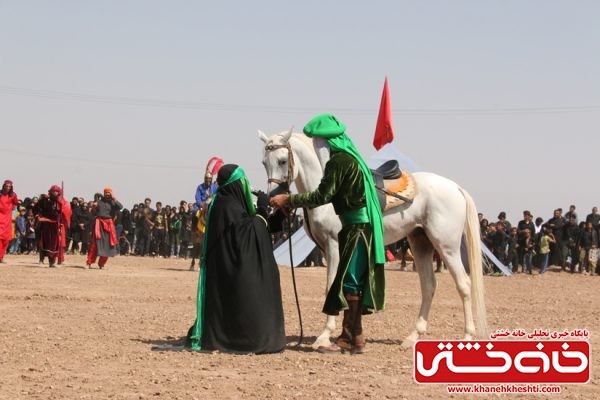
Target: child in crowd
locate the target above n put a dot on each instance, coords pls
(174, 232)
(545, 240)
(30, 232)
(528, 251)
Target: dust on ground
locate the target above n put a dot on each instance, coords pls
(73, 333)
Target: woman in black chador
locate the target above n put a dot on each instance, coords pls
(239, 298)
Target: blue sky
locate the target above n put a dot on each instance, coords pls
(501, 96)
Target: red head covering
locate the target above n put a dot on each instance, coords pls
(108, 189)
(55, 188)
(8, 191)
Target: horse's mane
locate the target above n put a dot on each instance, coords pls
(300, 136)
(306, 141)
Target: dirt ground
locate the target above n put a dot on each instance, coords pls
(72, 333)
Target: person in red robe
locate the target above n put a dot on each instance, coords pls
(65, 225)
(54, 216)
(8, 201)
(104, 236)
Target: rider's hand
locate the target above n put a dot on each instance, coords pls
(280, 201)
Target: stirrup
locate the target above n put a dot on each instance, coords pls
(344, 343)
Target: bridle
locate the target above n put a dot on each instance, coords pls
(288, 182)
(290, 171)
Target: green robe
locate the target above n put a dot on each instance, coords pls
(343, 186)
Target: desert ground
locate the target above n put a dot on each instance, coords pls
(73, 333)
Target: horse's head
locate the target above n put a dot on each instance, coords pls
(278, 161)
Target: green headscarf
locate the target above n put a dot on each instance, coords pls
(237, 174)
(328, 127)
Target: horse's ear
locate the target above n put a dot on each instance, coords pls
(286, 136)
(262, 136)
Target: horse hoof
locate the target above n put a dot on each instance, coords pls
(321, 343)
(332, 348)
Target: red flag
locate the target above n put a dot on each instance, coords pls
(384, 133)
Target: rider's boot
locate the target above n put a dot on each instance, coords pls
(358, 337)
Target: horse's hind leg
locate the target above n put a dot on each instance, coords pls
(463, 285)
(423, 253)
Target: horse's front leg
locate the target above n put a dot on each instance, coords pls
(333, 259)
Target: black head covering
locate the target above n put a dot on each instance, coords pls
(225, 172)
(231, 192)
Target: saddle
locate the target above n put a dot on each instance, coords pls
(394, 187)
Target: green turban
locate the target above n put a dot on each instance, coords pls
(324, 126)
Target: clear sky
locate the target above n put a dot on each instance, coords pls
(501, 96)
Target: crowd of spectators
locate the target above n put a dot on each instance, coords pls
(143, 230)
(162, 231)
(146, 229)
(167, 231)
(565, 241)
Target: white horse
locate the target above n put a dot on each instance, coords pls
(437, 219)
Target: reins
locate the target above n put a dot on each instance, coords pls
(291, 218)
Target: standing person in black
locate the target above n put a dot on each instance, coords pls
(145, 225)
(159, 232)
(588, 238)
(167, 241)
(126, 225)
(149, 225)
(572, 213)
(556, 224)
(483, 228)
(82, 228)
(525, 223)
(186, 229)
(131, 234)
(594, 218)
(174, 232)
(139, 230)
(512, 256)
(72, 227)
(570, 240)
(499, 240)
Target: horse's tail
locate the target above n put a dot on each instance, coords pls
(473, 241)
